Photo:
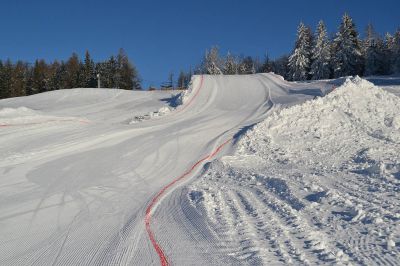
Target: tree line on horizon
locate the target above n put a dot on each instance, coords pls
(22, 79)
(317, 56)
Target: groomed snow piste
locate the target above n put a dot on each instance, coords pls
(239, 170)
(316, 183)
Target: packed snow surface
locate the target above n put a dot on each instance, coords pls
(304, 179)
(316, 183)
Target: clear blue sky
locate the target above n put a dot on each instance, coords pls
(165, 36)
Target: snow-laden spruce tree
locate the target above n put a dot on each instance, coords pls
(347, 54)
(246, 65)
(396, 52)
(230, 65)
(212, 62)
(300, 60)
(373, 53)
(89, 75)
(388, 52)
(267, 65)
(321, 54)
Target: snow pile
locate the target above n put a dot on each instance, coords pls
(357, 121)
(13, 112)
(175, 102)
(184, 95)
(316, 183)
(26, 116)
(160, 112)
(20, 115)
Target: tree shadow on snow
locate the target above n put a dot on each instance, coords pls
(309, 91)
(172, 101)
(385, 81)
(241, 132)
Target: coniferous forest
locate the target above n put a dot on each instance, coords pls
(315, 56)
(22, 78)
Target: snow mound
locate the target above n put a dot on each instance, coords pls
(184, 96)
(319, 181)
(160, 112)
(14, 112)
(357, 101)
(175, 101)
(26, 116)
(357, 119)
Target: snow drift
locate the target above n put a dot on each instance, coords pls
(315, 183)
(357, 119)
(25, 116)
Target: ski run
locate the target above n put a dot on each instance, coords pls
(239, 170)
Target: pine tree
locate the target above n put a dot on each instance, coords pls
(111, 75)
(396, 52)
(388, 51)
(230, 65)
(73, 70)
(62, 76)
(212, 62)
(3, 90)
(181, 82)
(81, 75)
(280, 66)
(257, 65)
(29, 80)
(310, 38)
(18, 80)
(8, 69)
(321, 54)
(136, 81)
(101, 68)
(169, 84)
(127, 73)
(89, 75)
(347, 54)
(300, 60)
(39, 80)
(6, 75)
(247, 66)
(267, 66)
(54, 77)
(373, 53)
(188, 78)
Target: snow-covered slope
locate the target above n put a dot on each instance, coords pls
(110, 177)
(388, 83)
(109, 105)
(77, 177)
(316, 183)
